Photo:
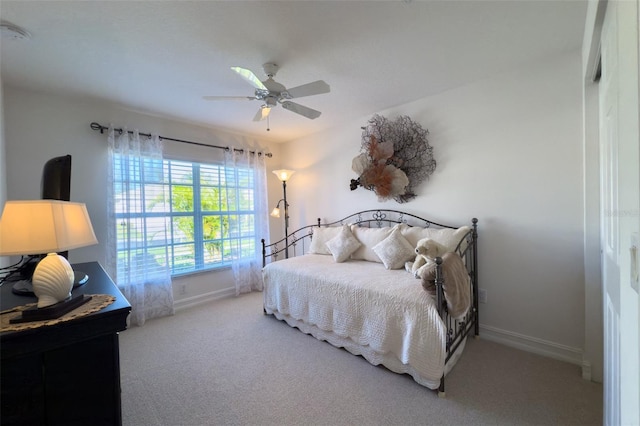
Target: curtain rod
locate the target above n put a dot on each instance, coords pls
(98, 127)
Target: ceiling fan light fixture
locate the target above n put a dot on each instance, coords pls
(271, 101)
(262, 113)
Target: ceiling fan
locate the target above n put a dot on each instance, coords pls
(273, 93)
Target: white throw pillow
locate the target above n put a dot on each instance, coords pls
(447, 237)
(395, 250)
(369, 237)
(452, 238)
(342, 245)
(320, 238)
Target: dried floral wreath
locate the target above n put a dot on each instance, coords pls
(395, 158)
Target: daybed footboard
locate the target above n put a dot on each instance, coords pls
(457, 330)
(299, 242)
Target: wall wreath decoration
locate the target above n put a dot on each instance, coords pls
(395, 157)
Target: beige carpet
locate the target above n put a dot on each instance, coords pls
(226, 363)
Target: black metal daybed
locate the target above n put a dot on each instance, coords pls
(362, 300)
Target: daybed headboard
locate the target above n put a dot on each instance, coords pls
(297, 242)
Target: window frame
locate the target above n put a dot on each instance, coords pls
(231, 183)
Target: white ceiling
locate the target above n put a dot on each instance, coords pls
(161, 57)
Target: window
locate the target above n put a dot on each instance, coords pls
(203, 215)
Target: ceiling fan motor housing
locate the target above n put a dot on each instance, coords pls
(273, 86)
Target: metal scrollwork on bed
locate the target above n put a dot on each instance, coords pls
(298, 242)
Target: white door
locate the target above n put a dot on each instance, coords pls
(620, 212)
(610, 224)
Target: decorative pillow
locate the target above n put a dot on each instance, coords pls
(342, 245)
(320, 237)
(395, 250)
(369, 237)
(452, 239)
(447, 237)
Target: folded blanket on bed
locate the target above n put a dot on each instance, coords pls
(456, 285)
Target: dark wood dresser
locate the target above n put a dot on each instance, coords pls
(67, 373)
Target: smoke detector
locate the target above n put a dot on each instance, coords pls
(12, 32)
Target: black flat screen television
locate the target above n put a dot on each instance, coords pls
(56, 179)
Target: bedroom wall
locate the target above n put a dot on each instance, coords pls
(40, 126)
(509, 152)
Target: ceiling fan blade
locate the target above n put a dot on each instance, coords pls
(300, 109)
(227, 98)
(262, 113)
(250, 77)
(309, 89)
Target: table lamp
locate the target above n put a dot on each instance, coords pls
(46, 226)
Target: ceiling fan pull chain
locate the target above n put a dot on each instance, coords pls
(268, 125)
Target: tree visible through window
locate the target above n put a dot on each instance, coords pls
(201, 212)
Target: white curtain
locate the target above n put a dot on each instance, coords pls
(139, 267)
(247, 265)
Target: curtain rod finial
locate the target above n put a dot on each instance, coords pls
(96, 126)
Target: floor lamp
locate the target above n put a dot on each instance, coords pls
(284, 176)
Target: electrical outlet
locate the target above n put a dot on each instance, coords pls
(482, 295)
(183, 289)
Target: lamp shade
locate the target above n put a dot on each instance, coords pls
(283, 174)
(44, 226)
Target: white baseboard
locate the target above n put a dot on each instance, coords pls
(586, 370)
(534, 345)
(200, 299)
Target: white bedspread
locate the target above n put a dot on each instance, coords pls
(384, 315)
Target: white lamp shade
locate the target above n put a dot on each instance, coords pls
(283, 174)
(44, 226)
